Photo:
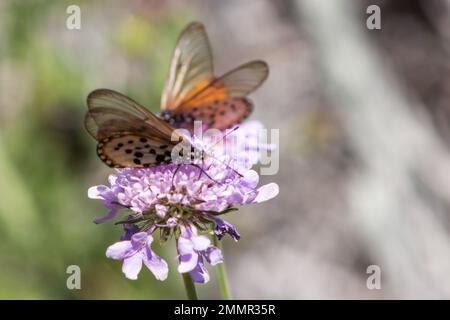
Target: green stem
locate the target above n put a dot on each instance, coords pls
(222, 274)
(189, 286)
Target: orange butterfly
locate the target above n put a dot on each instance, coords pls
(193, 93)
(129, 135)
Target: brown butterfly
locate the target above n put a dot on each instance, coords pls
(129, 135)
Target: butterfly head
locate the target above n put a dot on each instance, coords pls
(176, 120)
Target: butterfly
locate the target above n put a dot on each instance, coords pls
(130, 135)
(193, 93)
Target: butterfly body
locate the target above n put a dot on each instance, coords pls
(129, 135)
(176, 121)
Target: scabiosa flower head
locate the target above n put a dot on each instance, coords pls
(181, 201)
(171, 191)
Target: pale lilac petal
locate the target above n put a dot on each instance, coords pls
(119, 250)
(138, 240)
(199, 274)
(251, 179)
(200, 242)
(187, 232)
(172, 222)
(96, 192)
(156, 265)
(267, 192)
(213, 255)
(185, 246)
(187, 262)
(132, 266)
(161, 210)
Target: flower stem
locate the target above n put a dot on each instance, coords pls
(189, 286)
(222, 274)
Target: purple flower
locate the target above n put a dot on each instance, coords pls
(109, 197)
(171, 198)
(216, 189)
(223, 227)
(172, 222)
(192, 249)
(135, 251)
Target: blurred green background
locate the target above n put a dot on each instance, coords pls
(47, 160)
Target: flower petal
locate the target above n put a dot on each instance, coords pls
(96, 192)
(119, 250)
(138, 240)
(223, 227)
(156, 265)
(199, 274)
(213, 255)
(161, 210)
(267, 192)
(200, 242)
(250, 179)
(187, 262)
(185, 246)
(132, 266)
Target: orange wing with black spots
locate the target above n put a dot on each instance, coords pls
(219, 114)
(193, 93)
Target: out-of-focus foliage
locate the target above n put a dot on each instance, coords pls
(47, 160)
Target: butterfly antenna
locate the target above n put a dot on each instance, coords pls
(223, 138)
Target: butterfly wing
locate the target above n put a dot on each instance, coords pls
(192, 92)
(132, 150)
(191, 68)
(222, 104)
(237, 83)
(128, 134)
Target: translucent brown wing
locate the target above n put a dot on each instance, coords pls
(110, 109)
(191, 67)
(128, 134)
